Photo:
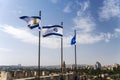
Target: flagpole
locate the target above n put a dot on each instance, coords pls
(39, 48)
(75, 52)
(61, 55)
(75, 58)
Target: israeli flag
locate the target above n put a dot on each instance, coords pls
(52, 30)
(33, 21)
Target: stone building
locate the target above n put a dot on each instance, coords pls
(5, 75)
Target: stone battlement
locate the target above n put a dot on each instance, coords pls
(31, 75)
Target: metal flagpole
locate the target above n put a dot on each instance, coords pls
(75, 58)
(61, 78)
(61, 54)
(61, 50)
(39, 43)
(75, 53)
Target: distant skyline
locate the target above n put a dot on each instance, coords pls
(97, 23)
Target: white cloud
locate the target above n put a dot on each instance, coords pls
(86, 26)
(83, 20)
(117, 33)
(67, 9)
(5, 50)
(75, 5)
(26, 36)
(110, 8)
(85, 5)
(23, 35)
(107, 36)
(117, 30)
(89, 38)
(86, 23)
(53, 42)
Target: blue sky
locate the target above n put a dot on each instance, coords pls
(97, 23)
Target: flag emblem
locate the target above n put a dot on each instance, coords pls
(35, 21)
(55, 29)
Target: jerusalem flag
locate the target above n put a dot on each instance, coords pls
(32, 21)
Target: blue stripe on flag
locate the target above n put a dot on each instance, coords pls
(23, 17)
(52, 34)
(52, 26)
(31, 27)
(36, 17)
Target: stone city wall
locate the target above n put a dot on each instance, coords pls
(31, 75)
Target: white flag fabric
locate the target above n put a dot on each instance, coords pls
(52, 30)
(32, 21)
